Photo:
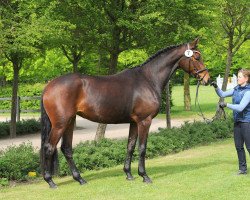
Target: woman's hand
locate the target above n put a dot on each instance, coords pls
(214, 84)
(222, 104)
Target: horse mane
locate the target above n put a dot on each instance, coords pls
(159, 53)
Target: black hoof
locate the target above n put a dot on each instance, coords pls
(82, 182)
(130, 178)
(52, 185)
(147, 180)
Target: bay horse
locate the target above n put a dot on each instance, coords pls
(131, 96)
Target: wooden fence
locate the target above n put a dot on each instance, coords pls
(19, 110)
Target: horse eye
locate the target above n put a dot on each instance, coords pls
(197, 56)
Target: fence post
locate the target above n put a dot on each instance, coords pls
(18, 109)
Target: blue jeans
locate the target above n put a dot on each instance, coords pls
(241, 136)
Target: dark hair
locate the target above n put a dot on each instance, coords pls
(246, 73)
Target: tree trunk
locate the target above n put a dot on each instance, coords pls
(219, 112)
(168, 116)
(2, 81)
(16, 68)
(100, 132)
(113, 63)
(75, 65)
(187, 98)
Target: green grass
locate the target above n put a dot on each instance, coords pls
(207, 98)
(205, 172)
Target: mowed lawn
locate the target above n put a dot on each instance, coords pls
(205, 172)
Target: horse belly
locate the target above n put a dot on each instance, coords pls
(107, 110)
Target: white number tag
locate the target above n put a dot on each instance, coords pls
(188, 53)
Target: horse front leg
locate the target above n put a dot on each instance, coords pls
(143, 129)
(133, 134)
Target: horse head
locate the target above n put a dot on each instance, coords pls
(191, 62)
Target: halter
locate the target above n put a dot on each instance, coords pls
(189, 53)
(197, 72)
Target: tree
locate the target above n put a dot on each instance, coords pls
(234, 20)
(73, 24)
(19, 40)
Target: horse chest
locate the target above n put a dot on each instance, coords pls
(146, 104)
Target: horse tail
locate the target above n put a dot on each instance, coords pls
(45, 133)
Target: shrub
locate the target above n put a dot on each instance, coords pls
(16, 162)
(4, 129)
(4, 182)
(23, 127)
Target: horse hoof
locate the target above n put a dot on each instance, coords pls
(52, 185)
(130, 178)
(82, 182)
(147, 180)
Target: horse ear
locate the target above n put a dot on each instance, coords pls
(194, 44)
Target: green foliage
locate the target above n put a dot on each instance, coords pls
(23, 127)
(25, 90)
(4, 182)
(16, 162)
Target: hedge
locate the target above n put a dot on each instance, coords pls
(23, 127)
(91, 155)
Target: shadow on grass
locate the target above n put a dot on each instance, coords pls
(156, 172)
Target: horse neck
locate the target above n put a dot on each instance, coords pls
(159, 70)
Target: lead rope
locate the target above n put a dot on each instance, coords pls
(206, 120)
(198, 105)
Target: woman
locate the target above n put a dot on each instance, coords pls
(241, 113)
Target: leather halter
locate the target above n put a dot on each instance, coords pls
(197, 72)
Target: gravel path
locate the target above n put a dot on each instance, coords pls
(85, 130)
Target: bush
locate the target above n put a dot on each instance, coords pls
(23, 127)
(4, 129)
(16, 162)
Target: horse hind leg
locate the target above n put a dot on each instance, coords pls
(133, 134)
(50, 154)
(66, 148)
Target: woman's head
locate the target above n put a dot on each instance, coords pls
(243, 77)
